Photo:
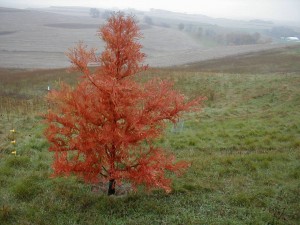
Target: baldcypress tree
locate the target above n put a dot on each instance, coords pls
(104, 128)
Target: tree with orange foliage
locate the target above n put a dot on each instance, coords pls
(103, 129)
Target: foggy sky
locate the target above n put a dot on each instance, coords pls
(287, 10)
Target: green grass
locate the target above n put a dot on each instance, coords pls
(244, 149)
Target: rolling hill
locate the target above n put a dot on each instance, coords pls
(39, 38)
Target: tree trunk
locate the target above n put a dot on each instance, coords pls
(111, 187)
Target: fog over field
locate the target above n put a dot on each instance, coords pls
(35, 35)
(235, 9)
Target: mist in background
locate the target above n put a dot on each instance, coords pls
(280, 10)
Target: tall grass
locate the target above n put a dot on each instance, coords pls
(244, 149)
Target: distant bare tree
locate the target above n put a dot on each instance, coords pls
(94, 12)
(106, 14)
(200, 32)
(148, 20)
(181, 26)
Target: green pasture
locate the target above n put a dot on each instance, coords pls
(244, 147)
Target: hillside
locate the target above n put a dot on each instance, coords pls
(39, 39)
(243, 147)
(279, 60)
(34, 39)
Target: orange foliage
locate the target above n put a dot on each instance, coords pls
(103, 129)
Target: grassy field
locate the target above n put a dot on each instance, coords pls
(244, 148)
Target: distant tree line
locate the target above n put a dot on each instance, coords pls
(149, 21)
(282, 31)
(95, 13)
(223, 36)
(242, 39)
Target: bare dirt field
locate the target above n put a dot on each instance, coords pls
(36, 39)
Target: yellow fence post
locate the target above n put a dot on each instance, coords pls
(13, 142)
